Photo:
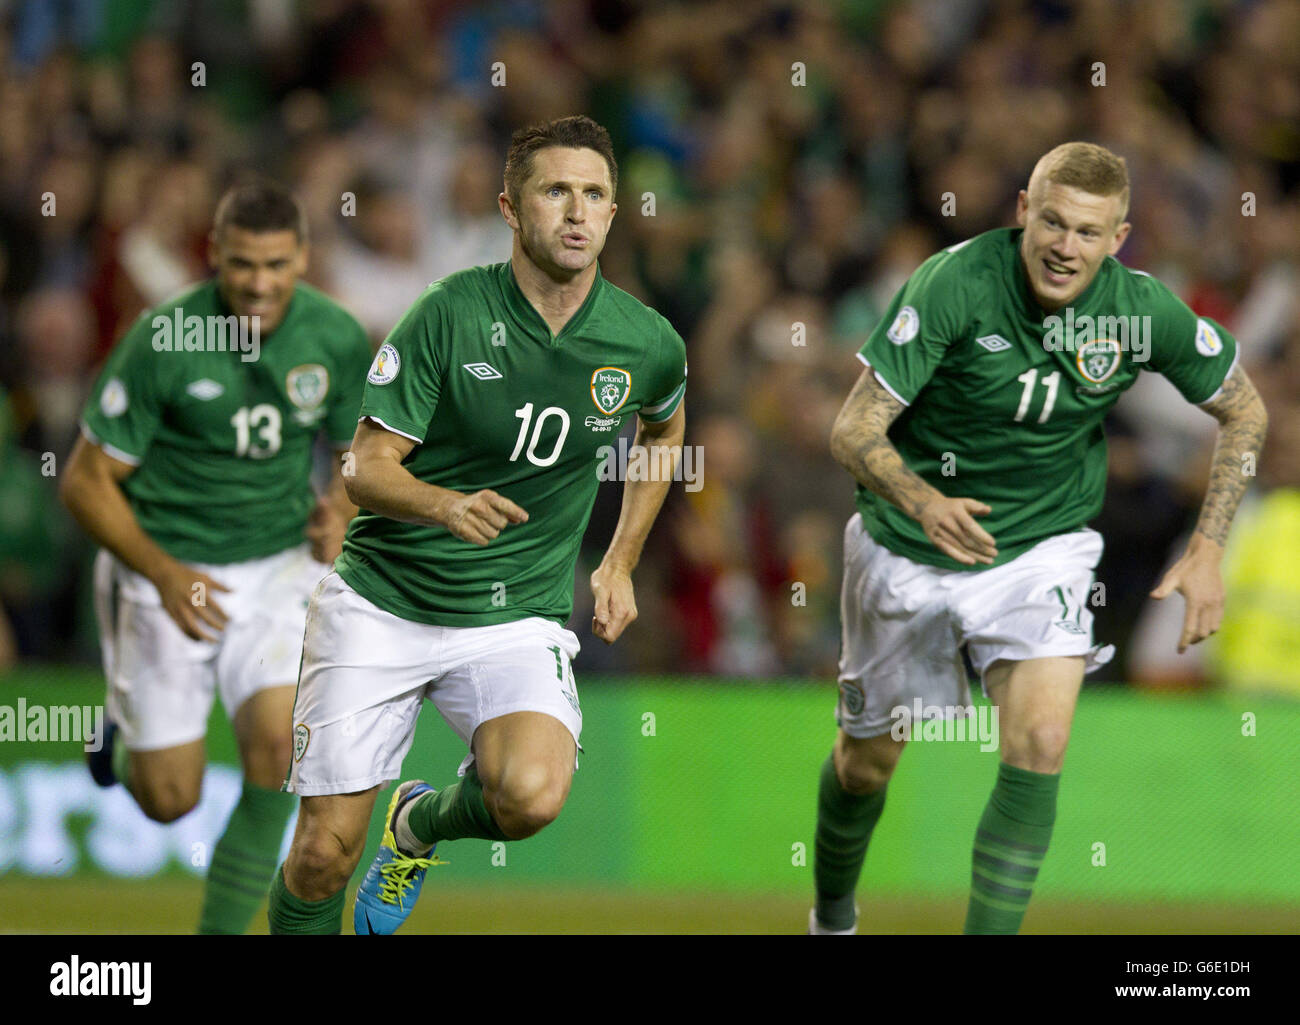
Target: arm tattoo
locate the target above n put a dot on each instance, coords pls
(859, 443)
(1242, 424)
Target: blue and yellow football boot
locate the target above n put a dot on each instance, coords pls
(392, 883)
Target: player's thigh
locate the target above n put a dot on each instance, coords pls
(898, 642)
(1028, 628)
(1037, 606)
(166, 782)
(509, 692)
(865, 764)
(525, 756)
(328, 842)
(263, 726)
(160, 683)
(1035, 699)
(259, 654)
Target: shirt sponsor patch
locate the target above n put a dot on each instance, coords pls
(205, 388)
(307, 385)
(1098, 359)
(386, 365)
(1208, 342)
(610, 388)
(905, 327)
(112, 400)
(483, 371)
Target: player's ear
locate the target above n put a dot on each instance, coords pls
(1022, 208)
(508, 211)
(1121, 233)
(213, 260)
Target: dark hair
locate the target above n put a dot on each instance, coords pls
(577, 132)
(261, 205)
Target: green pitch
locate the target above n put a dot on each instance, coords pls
(172, 906)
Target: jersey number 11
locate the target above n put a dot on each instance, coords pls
(1050, 382)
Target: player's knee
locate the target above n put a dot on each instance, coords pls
(1041, 748)
(521, 821)
(165, 800)
(267, 758)
(864, 776)
(322, 861)
(527, 801)
(863, 767)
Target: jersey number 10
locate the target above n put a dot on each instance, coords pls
(525, 413)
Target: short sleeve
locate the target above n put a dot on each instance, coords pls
(1195, 353)
(405, 378)
(668, 381)
(924, 319)
(341, 422)
(126, 404)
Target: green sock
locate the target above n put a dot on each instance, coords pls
(844, 825)
(290, 915)
(453, 814)
(1010, 845)
(244, 860)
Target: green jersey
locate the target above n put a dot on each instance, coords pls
(1005, 402)
(222, 443)
(473, 374)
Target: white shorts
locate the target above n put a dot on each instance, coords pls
(904, 623)
(366, 673)
(161, 682)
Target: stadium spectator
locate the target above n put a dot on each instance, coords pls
(827, 187)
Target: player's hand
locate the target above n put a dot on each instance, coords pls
(1196, 577)
(187, 596)
(480, 517)
(950, 525)
(615, 602)
(325, 530)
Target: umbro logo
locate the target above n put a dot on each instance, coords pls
(483, 371)
(994, 343)
(204, 389)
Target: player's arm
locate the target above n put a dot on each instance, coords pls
(382, 485)
(334, 510)
(91, 489)
(860, 443)
(1243, 422)
(611, 583)
(337, 493)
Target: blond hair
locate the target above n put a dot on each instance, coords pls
(1085, 166)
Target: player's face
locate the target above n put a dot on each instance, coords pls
(564, 211)
(1068, 233)
(256, 272)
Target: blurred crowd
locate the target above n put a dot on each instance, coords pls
(783, 170)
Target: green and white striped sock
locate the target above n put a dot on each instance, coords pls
(1010, 844)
